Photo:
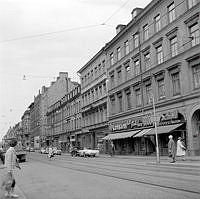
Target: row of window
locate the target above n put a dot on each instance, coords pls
(72, 124)
(93, 73)
(123, 74)
(71, 109)
(133, 96)
(97, 116)
(94, 94)
(194, 33)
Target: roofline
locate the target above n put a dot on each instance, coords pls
(132, 22)
(91, 60)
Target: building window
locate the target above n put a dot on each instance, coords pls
(118, 53)
(112, 80)
(92, 74)
(196, 76)
(119, 75)
(174, 46)
(176, 83)
(138, 97)
(99, 69)
(192, 3)
(137, 67)
(136, 40)
(171, 12)
(128, 99)
(120, 102)
(159, 54)
(126, 47)
(103, 66)
(111, 59)
(157, 22)
(146, 32)
(128, 72)
(100, 90)
(147, 61)
(95, 71)
(194, 34)
(148, 93)
(112, 101)
(161, 88)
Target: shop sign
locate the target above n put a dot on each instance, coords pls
(169, 117)
(142, 121)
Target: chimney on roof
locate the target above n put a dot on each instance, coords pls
(135, 12)
(52, 83)
(63, 74)
(119, 28)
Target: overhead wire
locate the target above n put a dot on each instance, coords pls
(67, 30)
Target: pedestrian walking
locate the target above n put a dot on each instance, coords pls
(180, 152)
(171, 149)
(50, 153)
(112, 148)
(11, 162)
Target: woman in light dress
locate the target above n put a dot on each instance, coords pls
(180, 149)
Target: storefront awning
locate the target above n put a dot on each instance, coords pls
(163, 129)
(142, 133)
(116, 136)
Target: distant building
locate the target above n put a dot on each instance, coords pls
(25, 120)
(57, 91)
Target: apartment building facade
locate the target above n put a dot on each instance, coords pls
(25, 120)
(55, 94)
(70, 107)
(156, 56)
(94, 101)
(36, 121)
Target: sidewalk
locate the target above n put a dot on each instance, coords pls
(193, 161)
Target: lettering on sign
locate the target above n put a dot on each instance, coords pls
(132, 123)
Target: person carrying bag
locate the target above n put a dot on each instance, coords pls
(11, 161)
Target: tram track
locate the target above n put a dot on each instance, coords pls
(111, 173)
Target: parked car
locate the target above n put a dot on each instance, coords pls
(43, 150)
(88, 152)
(32, 149)
(56, 151)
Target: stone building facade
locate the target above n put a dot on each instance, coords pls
(94, 101)
(25, 120)
(55, 94)
(155, 56)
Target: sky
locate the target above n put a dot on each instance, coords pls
(40, 38)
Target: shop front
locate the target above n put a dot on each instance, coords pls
(137, 135)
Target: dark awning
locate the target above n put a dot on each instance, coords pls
(163, 129)
(142, 133)
(115, 136)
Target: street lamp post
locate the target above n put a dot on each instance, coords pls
(156, 133)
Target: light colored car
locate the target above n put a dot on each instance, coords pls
(56, 151)
(32, 149)
(88, 153)
(43, 150)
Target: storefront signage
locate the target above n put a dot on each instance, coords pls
(169, 117)
(142, 121)
(147, 120)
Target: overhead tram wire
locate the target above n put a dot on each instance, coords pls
(116, 11)
(51, 33)
(67, 30)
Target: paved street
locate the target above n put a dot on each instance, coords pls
(104, 177)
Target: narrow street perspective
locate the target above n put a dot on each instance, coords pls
(100, 99)
(106, 177)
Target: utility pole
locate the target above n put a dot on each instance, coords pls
(156, 133)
